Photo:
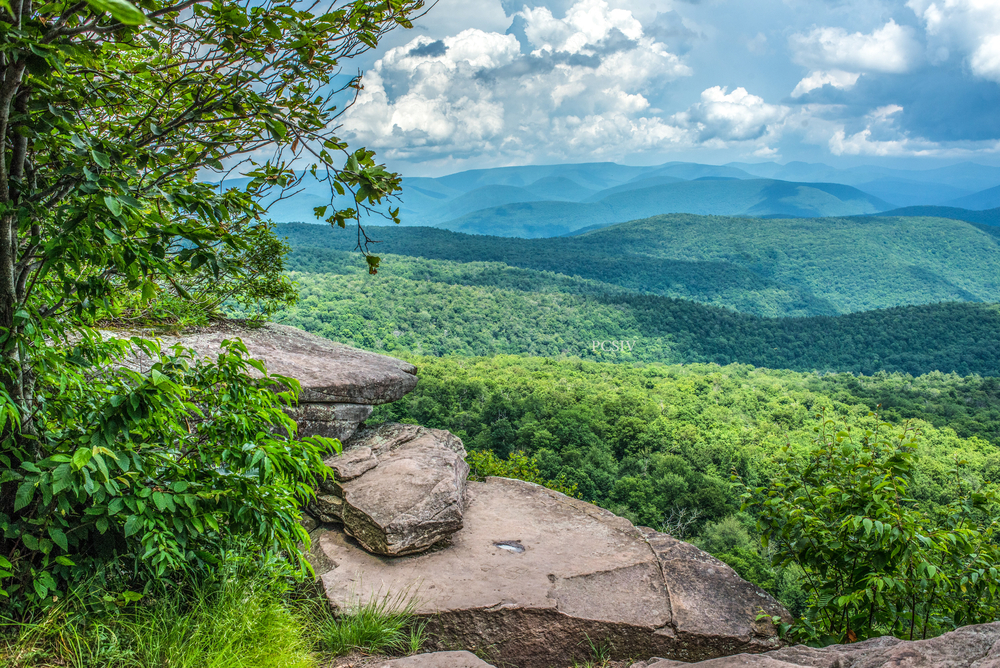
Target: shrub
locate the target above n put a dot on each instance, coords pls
(133, 477)
(483, 463)
(873, 561)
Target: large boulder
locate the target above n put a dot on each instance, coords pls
(535, 577)
(967, 647)
(397, 489)
(340, 384)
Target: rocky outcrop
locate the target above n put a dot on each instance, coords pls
(438, 660)
(535, 576)
(967, 647)
(340, 384)
(397, 489)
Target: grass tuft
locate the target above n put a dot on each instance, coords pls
(239, 618)
(383, 625)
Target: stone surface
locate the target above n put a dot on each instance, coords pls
(329, 372)
(535, 576)
(331, 420)
(438, 660)
(398, 489)
(967, 647)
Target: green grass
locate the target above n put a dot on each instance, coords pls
(234, 620)
(383, 625)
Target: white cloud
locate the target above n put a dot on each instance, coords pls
(574, 86)
(730, 117)
(970, 26)
(892, 48)
(835, 78)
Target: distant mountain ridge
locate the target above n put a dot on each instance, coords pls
(767, 267)
(704, 196)
(556, 200)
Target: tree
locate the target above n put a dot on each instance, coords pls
(873, 561)
(112, 116)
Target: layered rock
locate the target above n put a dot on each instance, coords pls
(397, 489)
(967, 647)
(535, 576)
(438, 660)
(340, 384)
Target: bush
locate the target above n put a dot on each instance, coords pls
(483, 463)
(132, 477)
(874, 563)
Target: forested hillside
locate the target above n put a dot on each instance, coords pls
(642, 440)
(768, 267)
(438, 307)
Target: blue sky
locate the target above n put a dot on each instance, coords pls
(479, 83)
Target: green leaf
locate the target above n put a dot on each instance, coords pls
(114, 206)
(122, 10)
(132, 525)
(101, 159)
(81, 458)
(59, 538)
(25, 493)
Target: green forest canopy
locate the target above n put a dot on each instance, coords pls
(439, 307)
(770, 267)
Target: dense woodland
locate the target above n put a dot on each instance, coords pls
(437, 307)
(820, 266)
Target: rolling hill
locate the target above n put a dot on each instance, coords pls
(543, 197)
(988, 217)
(766, 267)
(984, 199)
(437, 307)
(705, 196)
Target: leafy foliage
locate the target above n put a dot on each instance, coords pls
(108, 114)
(484, 463)
(441, 308)
(137, 475)
(644, 440)
(874, 560)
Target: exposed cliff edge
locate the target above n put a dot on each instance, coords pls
(534, 574)
(340, 384)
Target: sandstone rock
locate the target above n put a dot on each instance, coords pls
(438, 660)
(329, 372)
(331, 420)
(967, 647)
(535, 576)
(340, 384)
(398, 489)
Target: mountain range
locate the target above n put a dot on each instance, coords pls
(555, 200)
(766, 267)
(865, 293)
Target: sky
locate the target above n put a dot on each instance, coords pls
(484, 83)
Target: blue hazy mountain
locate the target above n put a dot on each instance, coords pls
(550, 200)
(724, 196)
(984, 199)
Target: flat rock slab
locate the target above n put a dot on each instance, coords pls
(535, 576)
(398, 489)
(438, 660)
(329, 372)
(968, 647)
